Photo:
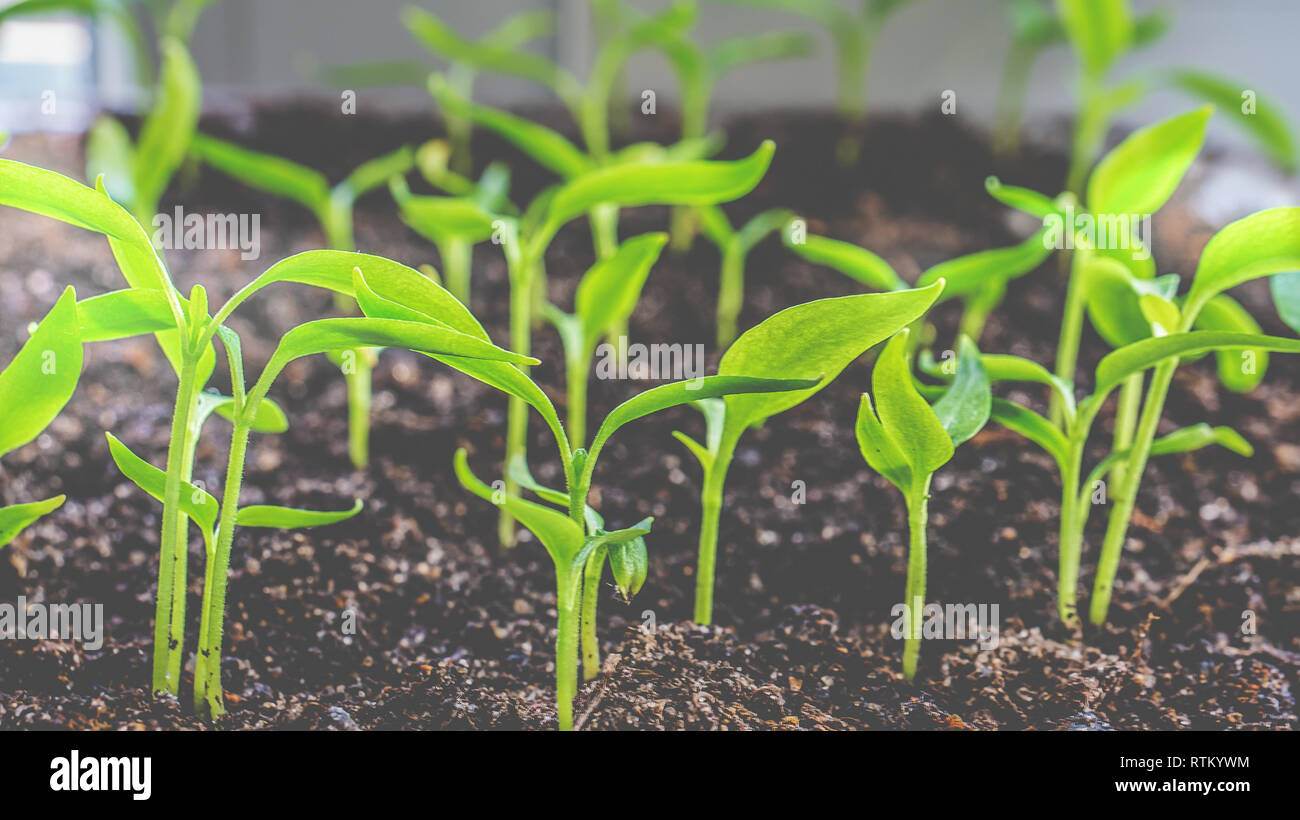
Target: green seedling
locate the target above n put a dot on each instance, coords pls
(455, 224)
(508, 38)
(978, 279)
(906, 440)
(606, 296)
(575, 538)
(185, 332)
(320, 336)
(137, 174)
(735, 245)
(333, 208)
(1101, 33)
(698, 70)
(854, 36)
(1264, 244)
(525, 239)
(588, 104)
(33, 389)
(815, 340)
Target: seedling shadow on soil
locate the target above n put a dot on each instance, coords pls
(452, 633)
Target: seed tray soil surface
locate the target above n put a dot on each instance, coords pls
(455, 632)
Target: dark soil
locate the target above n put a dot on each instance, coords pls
(455, 632)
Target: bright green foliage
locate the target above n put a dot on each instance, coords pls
(454, 224)
(333, 209)
(606, 297)
(137, 175)
(34, 387)
(906, 440)
(1265, 244)
(815, 340)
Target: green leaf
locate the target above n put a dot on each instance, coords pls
(562, 538)
(964, 409)
(41, 378)
(734, 52)
(1286, 298)
(1265, 123)
(261, 515)
(1141, 173)
(265, 172)
(16, 518)
(1201, 435)
(1022, 199)
(54, 195)
(609, 291)
(1225, 313)
(683, 392)
(517, 470)
(375, 172)
(1113, 297)
(121, 314)
(167, 130)
(1099, 31)
(816, 340)
(1262, 244)
(389, 290)
(1001, 367)
(1033, 427)
(762, 224)
(440, 219)
(968, 274)
(439, 38)
(196, 503)
(109, 152)
(850, 260)
(327, 335)
(879, 449)
(703, 182)
(907, 417)
(549, 148)
(269, 418)
(1139, 356)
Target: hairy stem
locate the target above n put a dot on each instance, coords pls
(180, 560)
(566, 646)
(1067, 348)
(1070, 541)
(210, 641)
(917, 517)
(1126, 419)
(521, 302)
(682, 226)
(590, 600)
(169, 636)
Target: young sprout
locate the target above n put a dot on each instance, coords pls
(332, 207)
(526, 239)
(906, 440)
(455, 224)
(1100, 33)
(979, 279)
(137, 175)
(606, 296)
(1264, 244)
(574, 536)
(854, 37)
(735, 245)
(588, 105)
(34, 387)
(698, 70)
(815, 340)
